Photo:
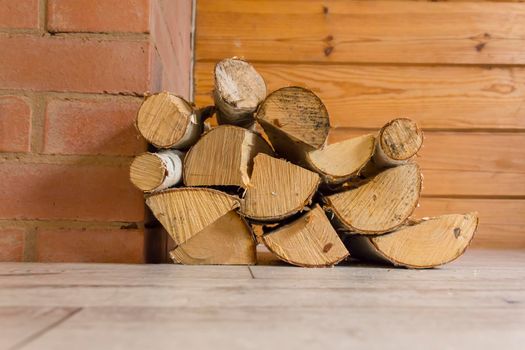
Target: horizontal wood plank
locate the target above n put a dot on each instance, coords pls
(502, 221)
(467, 164)
(368, 96)
(362, 31)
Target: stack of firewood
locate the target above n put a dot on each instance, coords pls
(266, 175)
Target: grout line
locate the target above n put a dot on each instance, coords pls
(38, 334)
(69, 224)
(29, 252)
(42, 16)
(61, 159)
(102, 36)
(75, 95)
(38, 117)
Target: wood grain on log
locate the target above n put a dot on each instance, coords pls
(223, 157)
(237, 92)
(381, 204)
(184, 212)
(277, 189)
(226, 241)
(151, 172)
(423, 244)
(308, 241)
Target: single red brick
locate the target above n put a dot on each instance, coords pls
(98, 16)
(92, 126)
(19, 14)
(60, 191)
(15, 124)
(11, 244)
(74, 64)
(90, 245)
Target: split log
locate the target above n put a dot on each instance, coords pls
(223, 157)
(184, 212)
(239, 90)
(309, 241)
(379, 205)
(152, 172)
(295, 120)
(168, 121)
(277, 189)
(227, 241)
(398, 141)
(339, 162)
(424, 244)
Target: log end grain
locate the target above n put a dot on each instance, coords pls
(340, 161)
(223, 157)
(227, 241)
(309, 241)
(380, 205)
(428, 243)
(167, 121)
(239, 89)
(298, 113)
(147, 172)
(277, 189)
(186, 211)
(398, 141)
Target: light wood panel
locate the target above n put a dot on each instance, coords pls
(368, 96)
(362, 31)
(467, 164)
(457, 67)
(502, 221)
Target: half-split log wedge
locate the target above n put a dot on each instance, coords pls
(424, 244)
(184, 212)
(239, 90)
(169, 121)
(151, 172)
(309, 241)
(339, 162)
(398, 141)
(379, 205)
(277, 189)
(295, 120)
(223, 157)
(227, 241)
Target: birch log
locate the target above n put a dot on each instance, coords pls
(381, 204)
(184, 212)
(398, 141)
(423, 244)
(223, 157)
(239, 89)
(168, 121)
(226, 241)
(308, 241)
(152, 172)
(295, 120)
(277, 189)
(339, 162)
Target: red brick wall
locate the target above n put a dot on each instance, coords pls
(72, 73)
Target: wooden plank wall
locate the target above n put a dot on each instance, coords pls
(456, 67)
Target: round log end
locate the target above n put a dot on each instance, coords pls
(164, 119)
